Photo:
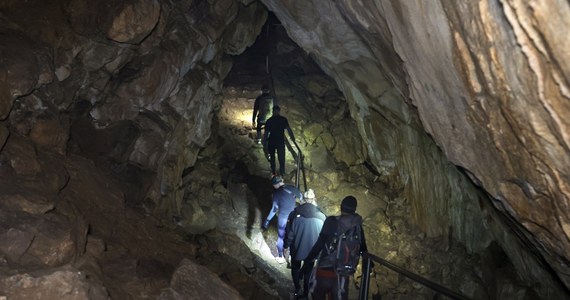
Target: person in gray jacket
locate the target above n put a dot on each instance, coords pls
(303, 227)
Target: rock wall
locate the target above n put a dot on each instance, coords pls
(488, 83)
(92, 92)
(134, 82)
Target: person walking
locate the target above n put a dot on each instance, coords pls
(331, 281)
(262, 109)
(303, 227)
(275, 136)
(283, 203)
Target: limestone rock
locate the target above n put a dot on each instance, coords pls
(36, 240)
(133, 22)
(348, 146)
(33, 204)
(194, 281)
(22, 156)
(251, 16)
(64, 283)
(50, 133)
(318, 158)
(4, 133)
(20, 70)
(15, 243)
(195, 220)
(312, 132)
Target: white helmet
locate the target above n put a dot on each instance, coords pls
(309, 194)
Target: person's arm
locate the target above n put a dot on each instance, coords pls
(298, 193)
(290, 132)
(271, 214)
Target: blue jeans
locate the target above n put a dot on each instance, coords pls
(281, 224)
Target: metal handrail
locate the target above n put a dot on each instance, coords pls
(367, 266)
(298, 156)
(300, 167)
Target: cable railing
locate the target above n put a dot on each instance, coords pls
(367, 259)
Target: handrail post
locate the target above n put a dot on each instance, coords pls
(297, 172)
(365, 279)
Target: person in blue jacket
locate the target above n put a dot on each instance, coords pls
(303, 228)
(283, 204)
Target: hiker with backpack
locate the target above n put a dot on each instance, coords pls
(303, 228)
(262, 109)
(275, 137)
(283, 202)
(337, 250)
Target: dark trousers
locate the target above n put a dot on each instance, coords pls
(272, 148)
(327, 284)
(299, 273)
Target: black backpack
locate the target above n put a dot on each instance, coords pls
(344, 247)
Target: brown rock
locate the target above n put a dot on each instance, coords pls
(22, 156)
(33, 204)
(14, 243)
(191, 281)
(64, 283)
(49, 133)
(132, 22)
(18, 69)
(4, 133)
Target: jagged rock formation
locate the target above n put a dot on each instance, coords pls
(461, 111)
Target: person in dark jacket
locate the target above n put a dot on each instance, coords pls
(262, 109)
(327, 280)
(303, 228)
(274, 135)
(283, 202)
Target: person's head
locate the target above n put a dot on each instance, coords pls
(265, 89)
(348, 205)
(277, 181)
(276, 110)
(309, 196)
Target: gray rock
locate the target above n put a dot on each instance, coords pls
(191, 281)
(65, 283)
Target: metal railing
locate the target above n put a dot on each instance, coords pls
(367, 267)
(299, 157)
